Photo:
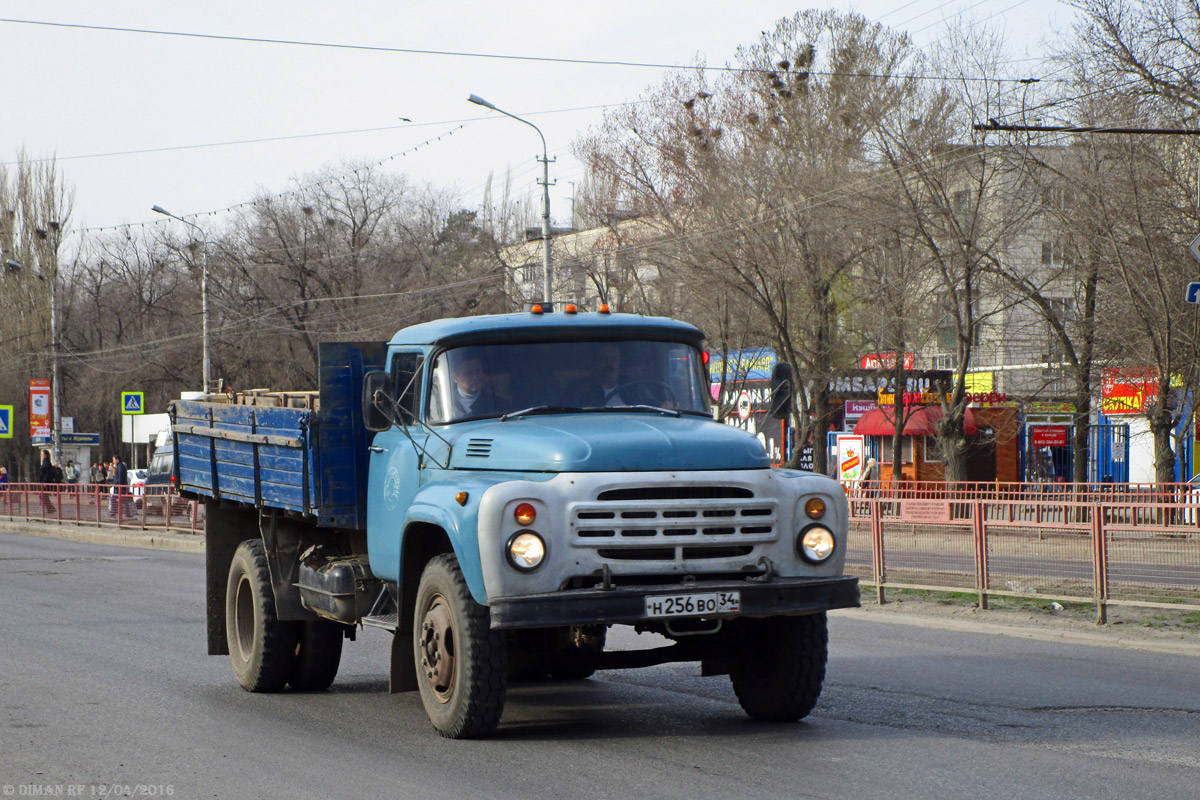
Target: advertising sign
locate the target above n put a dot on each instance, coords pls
(1125, 390)
(39, 407)
(1048, 435)
(886, 361)
(851, 459)
(856, 408)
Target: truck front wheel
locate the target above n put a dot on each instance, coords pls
(778, 672)
(461, 663)
(261, 647)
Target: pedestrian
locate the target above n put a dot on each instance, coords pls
(46, 478)
(120, 476)
(870, 478)
(3, 478)
(70, 472)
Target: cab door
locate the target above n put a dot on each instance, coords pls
(393, 474)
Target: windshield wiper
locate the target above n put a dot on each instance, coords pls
(670, 412)
(525, 412)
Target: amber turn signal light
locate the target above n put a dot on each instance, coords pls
(815, 508)
(524, 514)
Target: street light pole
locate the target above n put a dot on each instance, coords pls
(547, 283)
(207, 363)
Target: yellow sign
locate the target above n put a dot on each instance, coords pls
(133, 403)
(979, 382)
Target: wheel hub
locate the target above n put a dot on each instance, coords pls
(437, 649)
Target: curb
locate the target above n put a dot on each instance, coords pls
(71, 532)
(1023, 632)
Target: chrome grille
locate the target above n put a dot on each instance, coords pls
(668, 523)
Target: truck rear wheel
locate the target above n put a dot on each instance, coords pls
(261, 647)
(318, 654)
(778, 673)
(461, 663)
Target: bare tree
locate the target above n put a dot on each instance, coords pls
(35, 209)
(961, 200)
(752, 182)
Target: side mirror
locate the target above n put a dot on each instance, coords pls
(782, 390)
(377, 403)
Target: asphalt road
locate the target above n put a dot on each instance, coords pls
(105, 689)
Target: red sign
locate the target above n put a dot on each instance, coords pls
(886, 361)
(39, 407)
(1126, 391)
(1048, 435)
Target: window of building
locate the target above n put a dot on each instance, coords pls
(1054, 254)
(883, 446)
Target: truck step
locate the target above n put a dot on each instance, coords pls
(386, 621)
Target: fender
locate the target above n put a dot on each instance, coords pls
(435, 504)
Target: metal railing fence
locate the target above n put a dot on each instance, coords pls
(1132, 547)
(99, 504)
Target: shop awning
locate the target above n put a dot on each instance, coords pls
(922, 421)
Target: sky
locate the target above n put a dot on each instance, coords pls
(171, 106)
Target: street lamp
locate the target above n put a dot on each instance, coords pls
(547, 285)
(203, 289)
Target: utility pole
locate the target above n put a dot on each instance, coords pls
(547, 283)
(206, 359)
(55, 237)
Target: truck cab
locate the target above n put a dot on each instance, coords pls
(530, 480)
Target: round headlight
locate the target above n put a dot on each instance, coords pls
(815, 508)
(816, 544)
(526, 550)
(525, 514)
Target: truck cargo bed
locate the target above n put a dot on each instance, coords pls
(313, 463)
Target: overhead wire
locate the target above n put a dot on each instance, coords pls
(445, 53)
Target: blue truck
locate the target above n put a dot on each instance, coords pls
(497, 492)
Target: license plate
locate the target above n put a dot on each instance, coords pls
(693, 605)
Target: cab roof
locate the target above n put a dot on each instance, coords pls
(556, 326)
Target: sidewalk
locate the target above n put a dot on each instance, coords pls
(1133, 628)
(93, 534)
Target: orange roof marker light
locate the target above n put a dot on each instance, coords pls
(603, 309)
(570, 309)
(535, 309)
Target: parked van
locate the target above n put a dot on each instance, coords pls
(160, 478)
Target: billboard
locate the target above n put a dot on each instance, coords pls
(39, 407)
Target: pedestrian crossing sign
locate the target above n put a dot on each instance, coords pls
(6, 422)
(133, 403)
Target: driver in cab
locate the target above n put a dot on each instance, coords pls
(613, 386)
(471, 393)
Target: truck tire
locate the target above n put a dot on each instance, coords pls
(591, 643)
(318, 654)
(777, 674)
(262, 648)
(461, 663)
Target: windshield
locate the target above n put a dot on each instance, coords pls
(491, 380)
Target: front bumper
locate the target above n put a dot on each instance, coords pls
(627, 605)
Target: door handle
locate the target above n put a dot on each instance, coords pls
(374, 448)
